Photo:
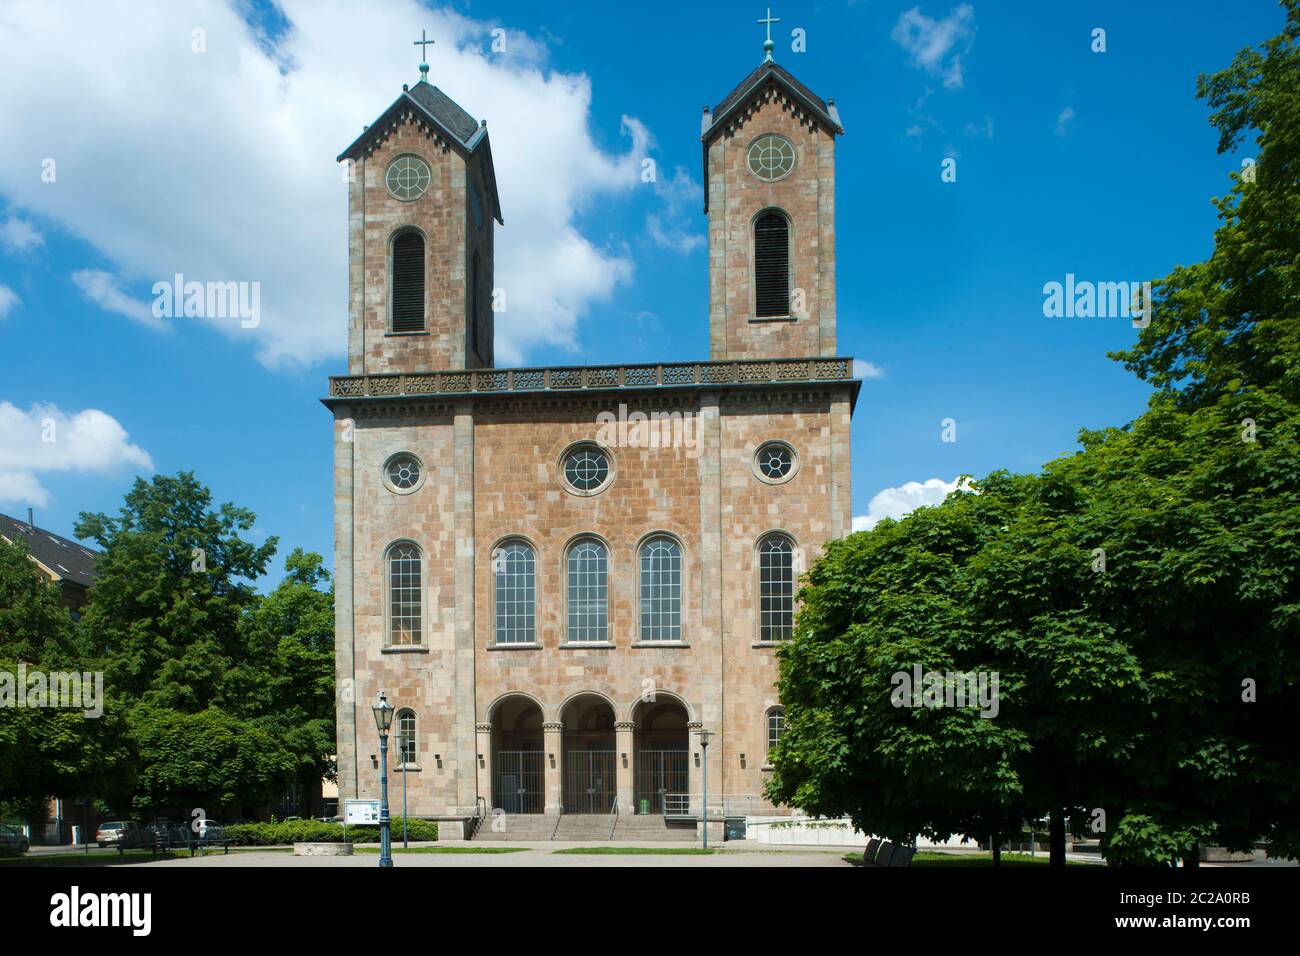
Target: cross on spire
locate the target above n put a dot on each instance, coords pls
(768, 45)
(423, 43)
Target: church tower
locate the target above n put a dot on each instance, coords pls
(422, 200)
(769, 192)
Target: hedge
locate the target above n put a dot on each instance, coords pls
(314, 831)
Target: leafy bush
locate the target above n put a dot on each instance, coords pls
(313, 831)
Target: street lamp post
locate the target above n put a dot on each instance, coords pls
(383, 720)
(705, 737)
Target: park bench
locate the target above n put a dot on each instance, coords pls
(885, 853)
(213, 836)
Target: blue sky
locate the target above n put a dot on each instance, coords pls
(1068, 161)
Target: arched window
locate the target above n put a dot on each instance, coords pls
(405, 592)
(516, 593)
(661, 590)
(775, 728)
(405, 736)
(588, 592)
(408, 282)
(775, 588)
(771, 265)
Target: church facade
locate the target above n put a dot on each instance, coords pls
(572, 582)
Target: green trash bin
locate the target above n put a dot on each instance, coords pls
(645, 806)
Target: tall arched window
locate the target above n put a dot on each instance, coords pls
(775, 588)
(771, 265)
(405, 592)
(588, 592)
(775, 728)
(408, 282)
(516, 593)
(405, 736)
(661, 590)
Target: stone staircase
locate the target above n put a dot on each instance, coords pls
(585, 827)
(516, 827)
(582, 828)
(649, 828)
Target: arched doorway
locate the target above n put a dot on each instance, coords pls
(518, 755)
(661, 743)
(590, 768)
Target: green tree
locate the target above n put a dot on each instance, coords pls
(34, 624)
(171, 587)
(287, 678)
(1139, 599)
(205, 760)
(49, 751)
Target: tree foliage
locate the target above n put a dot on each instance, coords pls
(217, 695)
(1140, 599)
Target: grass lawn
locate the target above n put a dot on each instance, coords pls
(75, 858)
(445, 849)
(113, 858)
(636, 851)
(939, 858)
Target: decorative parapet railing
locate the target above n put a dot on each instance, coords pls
(496, 381)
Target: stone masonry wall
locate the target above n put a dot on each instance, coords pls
(736, 197)
(508, 453)
(374, 216)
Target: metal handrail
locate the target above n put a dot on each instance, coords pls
(726, 804)
(480, 813)
(613, 817)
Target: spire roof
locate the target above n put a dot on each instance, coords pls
(771, 70)
(457, 127)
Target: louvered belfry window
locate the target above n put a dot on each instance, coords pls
(408, 283)
(771, 266)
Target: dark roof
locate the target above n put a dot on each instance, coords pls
(756, 77)
(779, 74)
(65, 557)
(445, 110)
(461, 129)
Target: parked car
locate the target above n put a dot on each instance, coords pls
(120, 833)
(211, 829)
(166, 832)
(12, 840)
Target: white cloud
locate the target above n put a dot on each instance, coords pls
(102, 289)
(671, 229)
(8, 299)
(220, 165)
(984, 129)
(1064, 121)
(867, 370)
(17, 235)
(937, 46)
(903, 500)
(46, 439)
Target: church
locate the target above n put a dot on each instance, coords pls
(574, 608)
